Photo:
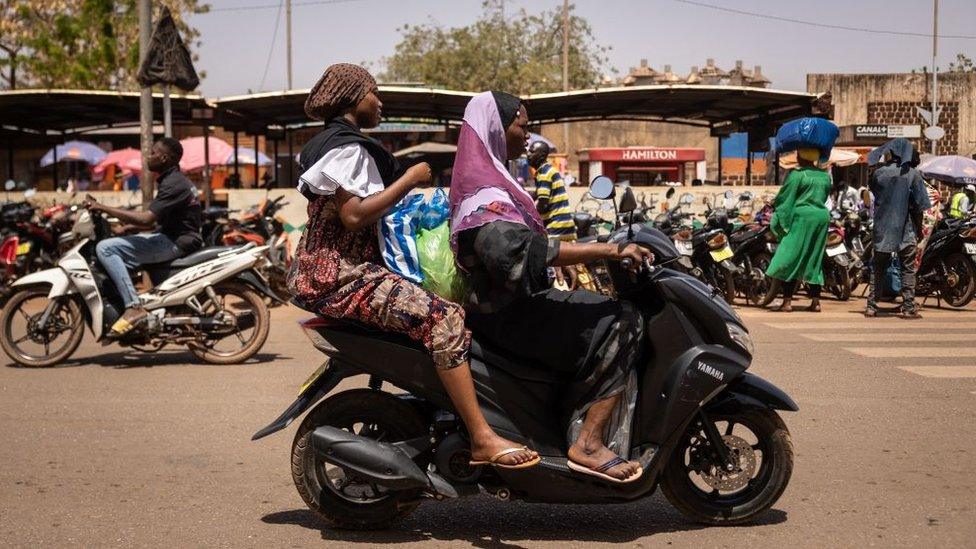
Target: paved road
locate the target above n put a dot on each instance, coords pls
(129, 450)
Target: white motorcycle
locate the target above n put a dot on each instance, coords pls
(212, 301)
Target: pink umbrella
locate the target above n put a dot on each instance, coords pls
(124, 158)
(192, 160)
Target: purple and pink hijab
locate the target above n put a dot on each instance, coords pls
(482, 189)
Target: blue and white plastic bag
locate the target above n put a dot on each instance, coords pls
(398, 238)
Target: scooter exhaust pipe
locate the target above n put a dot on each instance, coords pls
(378, 462)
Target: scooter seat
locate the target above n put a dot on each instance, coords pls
(518, 368)
(198, 257)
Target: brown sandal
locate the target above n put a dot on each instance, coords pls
(493, 460)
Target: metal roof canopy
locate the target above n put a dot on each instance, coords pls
(74, 111)
(723, 108)
(253, 113)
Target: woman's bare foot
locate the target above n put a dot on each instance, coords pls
(595, 455)
(785, 307)
(484, 447)
(814, 306)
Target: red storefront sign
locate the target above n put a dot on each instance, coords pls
(642, 154)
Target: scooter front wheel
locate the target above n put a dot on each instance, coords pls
(29, 344)
(697, 485)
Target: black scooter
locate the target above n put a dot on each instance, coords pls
(704, 429)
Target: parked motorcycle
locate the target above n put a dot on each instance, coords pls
(704, 429)
(947, 268)
(838, 262)
(211, 301)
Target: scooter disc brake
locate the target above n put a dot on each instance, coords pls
(745, 459)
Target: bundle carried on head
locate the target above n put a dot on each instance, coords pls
(342, 85)
(804, 134)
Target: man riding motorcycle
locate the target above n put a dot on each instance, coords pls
(176, 210)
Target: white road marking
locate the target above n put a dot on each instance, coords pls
(942, 371)
(913, 352)
(855, 315)
(896, 338)
(874, 324)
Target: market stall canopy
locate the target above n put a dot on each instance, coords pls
(193, 160)
(71, 111)
(246, 156)
(128, 159)
(958, 170)
(838, 157)
(724, 108)
(426, 148)
(255, 112)
(73, 151)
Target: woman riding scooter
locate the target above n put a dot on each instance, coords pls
(501, 246)
(351, 182)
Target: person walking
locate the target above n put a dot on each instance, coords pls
(900, 200)
(800, 222)
(961, 205)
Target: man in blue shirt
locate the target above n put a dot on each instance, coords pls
(899, 202)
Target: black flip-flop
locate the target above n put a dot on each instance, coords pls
(600, 472)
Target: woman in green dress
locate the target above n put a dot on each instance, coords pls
(800, 223)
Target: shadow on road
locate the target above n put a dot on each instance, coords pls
(138, 359)
(487, 523)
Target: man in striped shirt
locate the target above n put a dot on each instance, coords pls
(552, 201)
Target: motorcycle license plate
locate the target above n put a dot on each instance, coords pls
(836, 250)
(24, 248)
(684, 247)
(311, 379)
(723, 254)
(970, 248)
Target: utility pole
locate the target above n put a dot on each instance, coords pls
(145, 104)
(935, 70)
(566, 71)
(288, 34)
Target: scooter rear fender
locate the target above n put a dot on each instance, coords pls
(321, 384)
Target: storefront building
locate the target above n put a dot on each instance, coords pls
(643, 166)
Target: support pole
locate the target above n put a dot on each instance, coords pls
(776, 160)
(207, 180)
(720, 160)
(55, 165)
(167, 113)
(145, 105)
(935, 70)
(566, 70)
(291, 157)
(10, 160)
(237, 161)
(257, 180)
(276, 179)
(288, 39)
(748, 165)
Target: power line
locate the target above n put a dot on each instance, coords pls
(820, 25)
(273, 6)
(274, 36)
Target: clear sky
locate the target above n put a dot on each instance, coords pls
(237, 36)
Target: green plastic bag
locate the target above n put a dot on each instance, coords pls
(437, 263)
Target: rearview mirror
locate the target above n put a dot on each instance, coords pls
(601, 188)
(745, 197)
(670, 193)
(727, 194)
(10, 185)
(686, 198)
(628, 202)
(29, 193)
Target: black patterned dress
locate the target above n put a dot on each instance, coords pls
(338, 273)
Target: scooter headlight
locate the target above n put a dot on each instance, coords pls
(717, 242)
(741, 337)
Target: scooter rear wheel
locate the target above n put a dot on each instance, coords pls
(337, 496)
(698, 487)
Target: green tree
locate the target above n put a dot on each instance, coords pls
(92, 44)
(521, 54)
